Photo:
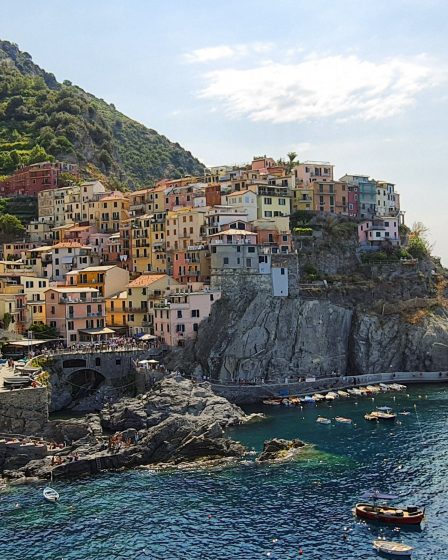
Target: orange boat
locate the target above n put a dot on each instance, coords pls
(410, 515)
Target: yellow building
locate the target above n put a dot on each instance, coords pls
(184, 228)
(108, 280)
(109, 212)
(147, 243)
(142, 294)
(34, 289)
(12, 305)
(302, 198)
(116, 311)
(272, 201)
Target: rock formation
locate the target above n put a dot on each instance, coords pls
(397, 321)
(177, 422)
(278, 450)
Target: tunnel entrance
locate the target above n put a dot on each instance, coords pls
(84, 382)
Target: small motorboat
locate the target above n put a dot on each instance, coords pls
(380, 415)
(405, 413)
(354, 392)
(343, 393)
(373, 388)
(295, 401)
(393, 548)
(323, 420)
(318, 397)
(273, 402)
(308, 400)
(397, 387)
(384, 387)
(50, 495)
(375, 511)
(331, 396)
(343, 420)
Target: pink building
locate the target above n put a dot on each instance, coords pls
(185, 196)
(178, 318)
(78, 234)
(309, 172)
(376, 231)
(263, 164)
(78, 314)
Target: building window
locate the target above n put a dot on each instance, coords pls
(267, 200)
(195, 327)
(248, 263)
(225, 260)
(195, 313)
(282, 201)
(179, 314)
(70, 326)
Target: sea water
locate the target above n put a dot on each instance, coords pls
(285, 511)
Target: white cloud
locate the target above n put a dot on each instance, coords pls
(329, 86)
(225, 52)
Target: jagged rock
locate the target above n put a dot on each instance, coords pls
(280, 449)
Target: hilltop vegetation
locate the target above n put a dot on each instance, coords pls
(41, 119)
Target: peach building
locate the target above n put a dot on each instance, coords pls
(177, 319)
(78, 314)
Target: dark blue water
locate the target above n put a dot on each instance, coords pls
(253, 511)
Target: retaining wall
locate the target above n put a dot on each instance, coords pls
(246, 394)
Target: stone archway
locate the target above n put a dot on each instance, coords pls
(84, 382)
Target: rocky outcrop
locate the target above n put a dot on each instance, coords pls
(177, 422)
(280, 450)
(261, 338)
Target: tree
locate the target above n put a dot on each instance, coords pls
(419, 246)
(44, 331)
(10, 227)
(291, 161)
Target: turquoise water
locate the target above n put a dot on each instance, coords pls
(253, 511)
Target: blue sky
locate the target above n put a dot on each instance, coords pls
(360, 84)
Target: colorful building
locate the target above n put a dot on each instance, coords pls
(177, 319)
(107, 279)
(78, 314)
(379, 230)
(142, 294)
(147, 243)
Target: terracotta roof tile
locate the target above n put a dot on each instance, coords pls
(146, 280)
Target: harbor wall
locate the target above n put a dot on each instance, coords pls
(24, 411)
(247, 394)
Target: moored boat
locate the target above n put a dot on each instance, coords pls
(272, 402)
(50, 495)
(343, 420)
(380, 415)
(331, 396)
(318, 397)
(376, 511)
(343, 393)
(308, 400)
(354, 392)
(323, 420)
(373, 388)
(393, 548)
(384, 387)
(397, 387)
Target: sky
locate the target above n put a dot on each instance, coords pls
(362, 84)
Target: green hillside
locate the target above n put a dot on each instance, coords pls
(42, 119)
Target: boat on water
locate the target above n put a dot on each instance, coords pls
(397, 387)
(373, 388)
(343, 393)
(384, 387)
(376, 511)
(272, 402)
(354, 392)
(331, 396)
(393, 548)
(380, 415)
(308, 400)
(318, 397)
(323, 420)
(50, 495)
(343, 420)
(295, 401)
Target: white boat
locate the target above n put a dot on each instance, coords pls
(373, 388)
(354, 392)
(308, 399)
(323, 420)
(384, 387)
(343, 420)
(50, 495)
(343, 393)
(331, 396)
(318, 397)
(397, 387)
(393, 548)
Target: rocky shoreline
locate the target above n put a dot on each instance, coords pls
(178, 424)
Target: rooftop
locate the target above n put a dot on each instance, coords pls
(72, 290)
(233, 232)
(92, 269)
(146, 280)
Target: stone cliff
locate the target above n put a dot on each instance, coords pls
(393, 321)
